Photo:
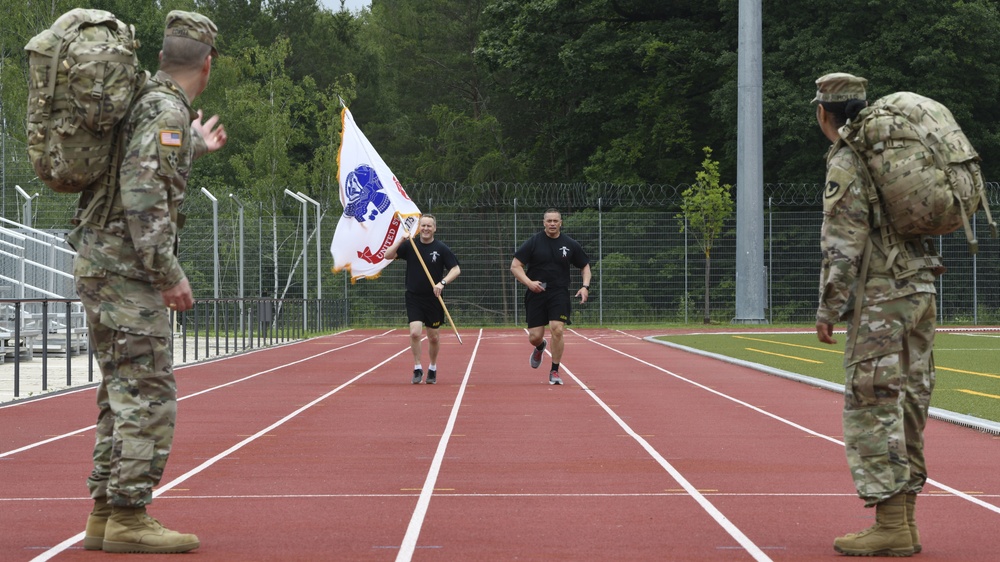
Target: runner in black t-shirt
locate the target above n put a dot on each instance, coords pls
(423, 308)
(547, 256)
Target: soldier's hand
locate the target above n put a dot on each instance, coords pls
(824, 332)
(179, 297)
(215, 137)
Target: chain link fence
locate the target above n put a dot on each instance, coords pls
(646, 269)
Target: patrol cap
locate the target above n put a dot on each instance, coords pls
(839, 86)
(193, 26)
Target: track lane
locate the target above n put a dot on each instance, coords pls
(220, 394)
(544, 472)
(531, 471)
(343, 478)
(791, 486)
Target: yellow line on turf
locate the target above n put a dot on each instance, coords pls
(824, 349)
(827, 350)
(983, 394)
(785, 356)
(968, 372)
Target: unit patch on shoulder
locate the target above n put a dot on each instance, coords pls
(832, 189)
(170, 137)
(832, 195)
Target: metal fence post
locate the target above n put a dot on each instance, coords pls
(600, 256)
(240, 273)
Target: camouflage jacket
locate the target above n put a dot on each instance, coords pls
(160, 146)
(846, 228)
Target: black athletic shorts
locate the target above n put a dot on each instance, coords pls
(541, 308)
(426, 309)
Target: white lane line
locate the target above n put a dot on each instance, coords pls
(417, 520)
(230, 383)
(949, 489)
(698, 496)
(162, 488)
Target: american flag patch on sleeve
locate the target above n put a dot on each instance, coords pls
(170, 137)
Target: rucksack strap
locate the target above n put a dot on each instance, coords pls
(859, 299)
(96, 206)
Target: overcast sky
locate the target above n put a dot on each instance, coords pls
(352, 5)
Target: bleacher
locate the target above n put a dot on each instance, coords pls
(35, 266)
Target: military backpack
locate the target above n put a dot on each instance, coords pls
(83, 76)
(924, 168)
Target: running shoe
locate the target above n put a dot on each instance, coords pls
(432, 376)
(554, 378)
(417, 375)
(536, 356)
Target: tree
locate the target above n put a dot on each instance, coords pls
(704, 211)
(932, 51)
(607, 90)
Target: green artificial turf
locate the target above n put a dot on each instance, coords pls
(967, 363)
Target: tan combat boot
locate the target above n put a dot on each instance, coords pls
(131, 530)
(911, 521)
(889, 536)
(93, 537)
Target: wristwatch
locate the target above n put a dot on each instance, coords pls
(443, 282)
(586, 287)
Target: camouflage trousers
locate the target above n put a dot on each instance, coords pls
(137, 397)
(887, 393)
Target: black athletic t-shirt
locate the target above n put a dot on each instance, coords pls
(438, 257)
(548, 259)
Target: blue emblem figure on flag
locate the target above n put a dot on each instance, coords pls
(364, 190)
(376, 207)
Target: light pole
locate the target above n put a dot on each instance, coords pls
(215, 241)
(242, 295)
(305, 255)
(215, 253)
(319, 258)
(26, 209)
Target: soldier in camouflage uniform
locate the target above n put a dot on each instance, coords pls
(128, 278)
(888, 358)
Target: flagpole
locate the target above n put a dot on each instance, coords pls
(431, 279)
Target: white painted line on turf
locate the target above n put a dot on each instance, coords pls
(162, 488)
(417, 520)
(958, 493)
(698, 496)
(230, 383)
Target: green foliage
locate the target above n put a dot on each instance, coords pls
(560, 91)
(707, 205)
(931, 50)
(274, 111)
(617, 274)
(464, 149)
(606, 91)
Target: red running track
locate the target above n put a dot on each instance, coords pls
(323, 450)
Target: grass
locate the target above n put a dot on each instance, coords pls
(967, 362)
